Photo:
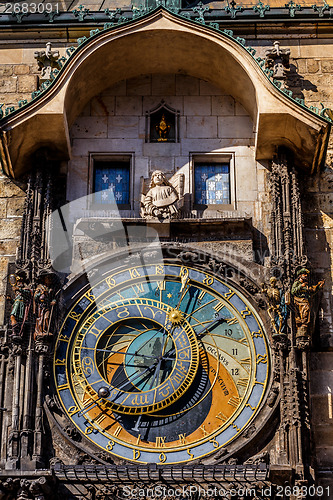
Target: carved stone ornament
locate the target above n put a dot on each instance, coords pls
(277, 59)
(47, 60)
(162, 198)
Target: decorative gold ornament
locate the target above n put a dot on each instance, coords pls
(175, 317)
(163, 129)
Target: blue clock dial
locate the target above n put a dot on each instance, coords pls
(162, 363)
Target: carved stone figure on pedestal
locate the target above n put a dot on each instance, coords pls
(44, 302)
(47, 60)
(21, 305)
(302, 294)
(161, 199)
(277, 309)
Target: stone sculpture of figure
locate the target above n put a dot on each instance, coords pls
(302, 294)
(21, 304)
(44, 302)
(277, 59)
(161, 198)
(47, 60)
(277, 309)
(163, 129)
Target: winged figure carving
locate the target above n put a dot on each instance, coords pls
(162, 198)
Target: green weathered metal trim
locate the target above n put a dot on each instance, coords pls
(122, 20)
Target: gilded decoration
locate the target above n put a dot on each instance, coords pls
(277, 305)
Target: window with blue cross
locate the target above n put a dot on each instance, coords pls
(212, 184)
(112, 182)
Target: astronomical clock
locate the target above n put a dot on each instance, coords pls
(163, 363)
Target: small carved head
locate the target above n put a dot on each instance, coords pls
(303, 274)
(158, 179)
(273, 281)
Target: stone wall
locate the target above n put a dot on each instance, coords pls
(210, 122)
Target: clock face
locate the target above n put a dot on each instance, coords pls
(161, 364)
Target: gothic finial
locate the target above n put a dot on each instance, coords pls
(47, 60)
(277, 59)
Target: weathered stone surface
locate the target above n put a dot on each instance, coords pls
(8, 84)
(101, 106)
(21, 69)
(3, 207)
(139, 86)
(90, 126)
(15, 206)
(202, 127)
(327, 65)
(197, 105)
(223, 105)
(8, 247)
(6, 70)
(10, 228)
(163, 85)
(186, 85)
(123, 127)
(300, 65)
(312, 65)
(27, 83)
(128, 106)
(9, 188)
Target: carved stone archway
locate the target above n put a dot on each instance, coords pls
(163, 42)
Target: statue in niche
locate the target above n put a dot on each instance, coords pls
(47, 60)
(277, 308)
(163, 129)
(20, 304)
(302, 294)
(44, 302)
(163, 198)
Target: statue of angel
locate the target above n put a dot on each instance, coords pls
(163, 198)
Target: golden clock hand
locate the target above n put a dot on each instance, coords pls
(218, 318)
(182, 291)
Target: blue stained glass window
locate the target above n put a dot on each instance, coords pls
(212, 183)
(112, 183)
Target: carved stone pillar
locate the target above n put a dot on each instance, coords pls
(25, 430)
(288, 255)
(13, 450)
(33, 255)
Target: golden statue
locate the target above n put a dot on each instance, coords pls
(277, 305)
(163, 129)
